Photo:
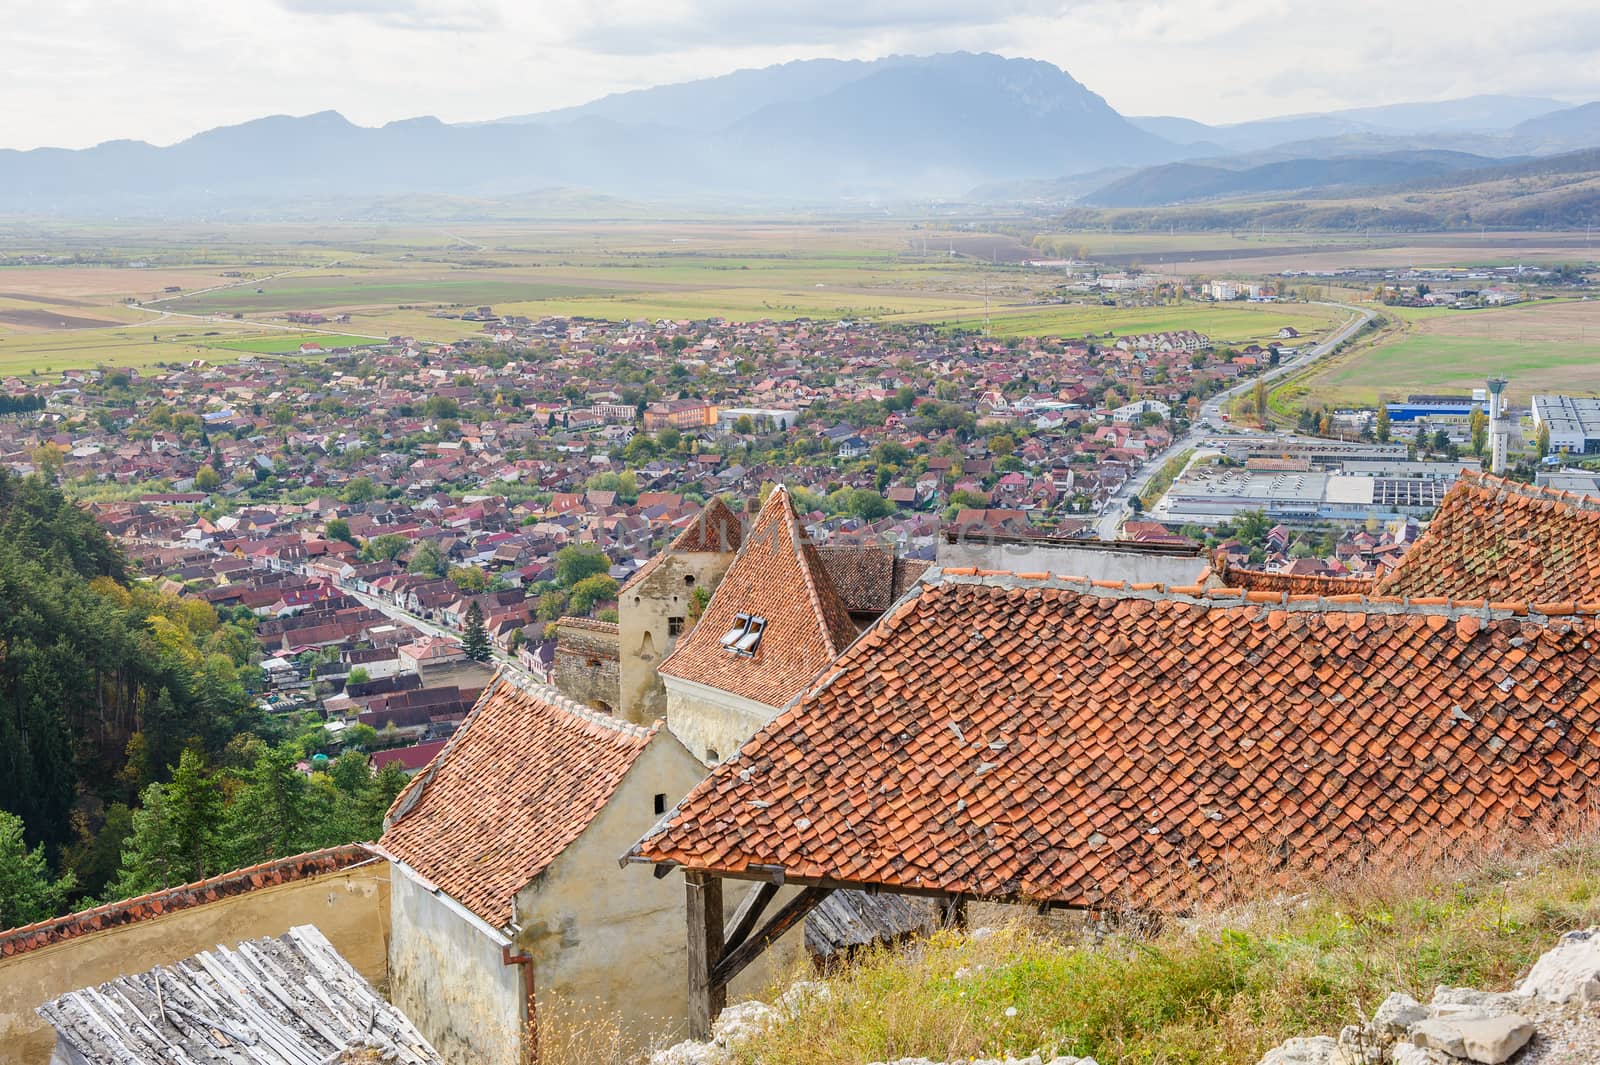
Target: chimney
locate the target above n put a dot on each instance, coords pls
(1499, 429)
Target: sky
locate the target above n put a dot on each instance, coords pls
(78, 72)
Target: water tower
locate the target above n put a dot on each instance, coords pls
(1499, 428)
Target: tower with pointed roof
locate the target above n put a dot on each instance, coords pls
(658, 605)
(775, 620)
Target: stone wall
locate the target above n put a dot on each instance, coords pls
(586, 668)
(349, 905)
(653, 613)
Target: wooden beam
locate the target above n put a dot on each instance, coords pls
(707, 997)
(793, 911)
(954, 913)
(749, 912)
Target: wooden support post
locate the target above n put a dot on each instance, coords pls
(706, 997)
(955, 912)
(792, 913)
(749, 912)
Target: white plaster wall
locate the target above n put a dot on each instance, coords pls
(616, 938)
(708, 720)
(446, 974)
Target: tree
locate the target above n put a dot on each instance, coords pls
(360, 490)
(27, 891)
(475, 638)
(1261, 401)
(427, 560)
(384, 548)
(206, 479)
(469, 579)
(174, 837)
(576, 562)
(1541, 440)
(586, 593)
(338, 529)
(267, 818)
(743, 425)
(1478, 423)
(1383, 428)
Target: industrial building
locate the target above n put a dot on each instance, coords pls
(1355, 492)
(1573, 422)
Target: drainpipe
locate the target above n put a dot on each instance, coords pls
(509, 955)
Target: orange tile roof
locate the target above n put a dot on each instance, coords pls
(1495, 539)
(1055, 739)
(518, 782)
(779, 576)
(716, 529)
(1223, 574)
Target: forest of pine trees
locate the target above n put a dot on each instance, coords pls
(133, 753)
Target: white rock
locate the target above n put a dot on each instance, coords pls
(1318, 1050)
(1568, 973)
(1407, 1054)
(742, 1021)
(1489, 1040)
(1396, 1014)
(690, 1052)
(1469, 1001)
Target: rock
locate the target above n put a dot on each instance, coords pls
(1456, 1001)
(1407, 1054)
(1570, 972)
(1396, 1014)
(1489, 1040)
(1318, 1050)
(742, 1021)
(691, 1053)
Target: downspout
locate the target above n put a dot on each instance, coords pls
(509, 955)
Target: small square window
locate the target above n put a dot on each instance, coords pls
(661, 802)
(674, 627)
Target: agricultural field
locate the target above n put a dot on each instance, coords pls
(289, 344)
(213, 292)
(1541, 347)
(1234, 323)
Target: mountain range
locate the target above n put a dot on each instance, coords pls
(816, 132)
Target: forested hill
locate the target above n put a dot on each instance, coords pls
(106, 688)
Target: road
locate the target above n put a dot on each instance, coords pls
(395, 613)
(1210, 421)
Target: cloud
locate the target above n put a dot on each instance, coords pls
(643, 27)
(470, 15)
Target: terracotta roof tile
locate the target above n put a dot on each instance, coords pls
(1060, 740)
(518, 782)
(1222, 572)
(1499, 539)
(778, 575)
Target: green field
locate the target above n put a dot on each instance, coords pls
(1228, 322)
(340, 290)
(288, 345)
(1546, 346)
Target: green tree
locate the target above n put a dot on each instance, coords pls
(469, 579)
(1541, 440)
(1383, 428)
(1478, 423)
(1252, 526)
(475, 638)
(586, 593)
(206, 479)
(28, 893)
(360, 490)
(174, 838)
(267, 818)
(385, 548)
(743, 425)
(427, 560)
(576, 562)
(338, 529)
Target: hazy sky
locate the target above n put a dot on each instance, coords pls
(76, 72)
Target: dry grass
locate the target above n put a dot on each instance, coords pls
(1222, 987)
